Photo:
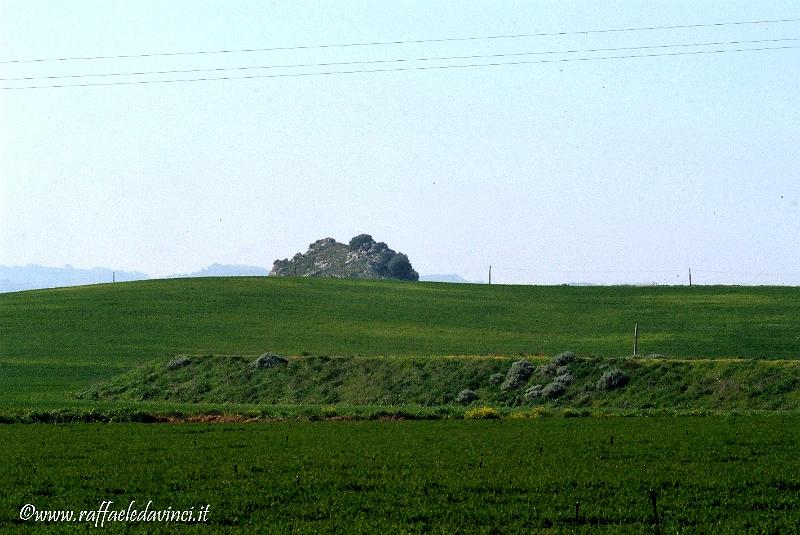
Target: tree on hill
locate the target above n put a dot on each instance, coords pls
(357, 241)
(400, 268)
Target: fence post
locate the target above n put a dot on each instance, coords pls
(655, 511)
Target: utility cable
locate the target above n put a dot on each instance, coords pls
(398, 60)
(399, 69)
(403, 42)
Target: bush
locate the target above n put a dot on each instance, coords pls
(357, 241)
(565, 379)
(519, 372)
(613, 378)
(534, 392)
(178, 362)
(574, 413)
(482, 413)
(553, 390)
(496, 379)
(466, 396)
(540, 412)
(548, 370)
(563, 358)
(400, 268)
(535, 412)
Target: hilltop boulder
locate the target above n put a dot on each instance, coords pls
(361, 258)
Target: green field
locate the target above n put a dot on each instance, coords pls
(720, 475)
(386, 351)
(55, 342)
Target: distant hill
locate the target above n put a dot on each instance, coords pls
(32, 276)
(446, 277)
(226, 270)
(361, 258)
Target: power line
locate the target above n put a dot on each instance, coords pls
(585, 271)
(399, 60)
(749, 273)
(677, 271)
(403, 42)
(398, 69)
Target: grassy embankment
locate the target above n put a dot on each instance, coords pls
(653, 383)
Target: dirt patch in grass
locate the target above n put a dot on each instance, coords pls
(212, 419)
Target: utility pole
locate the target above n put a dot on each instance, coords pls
(636, 338)
(690, 276)
(113, 277)
(490, 273)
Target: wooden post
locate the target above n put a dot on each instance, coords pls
(113, 276)
(636, 338)
(490, 273)
(577, 511)
(690, 276)
(655, 511)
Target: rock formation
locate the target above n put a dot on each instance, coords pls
(362, 258)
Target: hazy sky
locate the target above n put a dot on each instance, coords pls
(620, 170)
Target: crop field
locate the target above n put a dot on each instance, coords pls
(722, 475)
(361, 431)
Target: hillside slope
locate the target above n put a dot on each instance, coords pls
(134, 322)
(53, 342)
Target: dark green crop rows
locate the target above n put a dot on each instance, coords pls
(720, 475)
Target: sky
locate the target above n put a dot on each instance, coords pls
(606, 171)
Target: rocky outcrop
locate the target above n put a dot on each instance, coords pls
(362, 258)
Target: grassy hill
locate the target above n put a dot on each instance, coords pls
(57, 341)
